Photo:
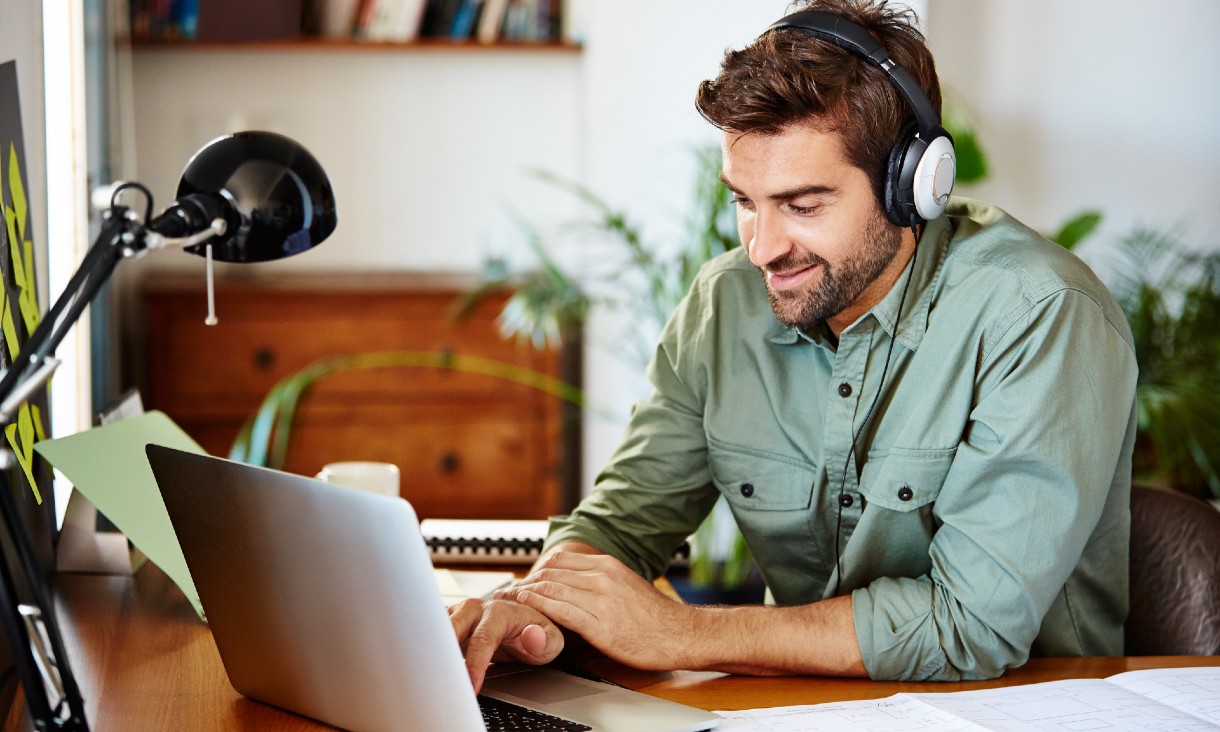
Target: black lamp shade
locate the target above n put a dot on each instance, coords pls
(273, 194)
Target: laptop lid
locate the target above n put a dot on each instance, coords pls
(323, 601)
(312, 592)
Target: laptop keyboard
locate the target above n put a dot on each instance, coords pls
(501, 715)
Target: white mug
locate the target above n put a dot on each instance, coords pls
(367, 476)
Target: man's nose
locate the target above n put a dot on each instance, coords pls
(767, 241)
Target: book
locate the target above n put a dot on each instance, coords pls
(1164, 698)
(462, 541)
(491, 20)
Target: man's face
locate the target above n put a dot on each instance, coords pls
(811, 224)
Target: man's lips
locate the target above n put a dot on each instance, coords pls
(788, 280)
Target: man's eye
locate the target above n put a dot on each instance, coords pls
(801, 210)
(742, 201)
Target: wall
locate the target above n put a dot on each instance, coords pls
(1077, 104)
(1109, 105)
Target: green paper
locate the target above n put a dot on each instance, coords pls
(109, 467)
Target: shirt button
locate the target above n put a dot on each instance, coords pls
(747, 489)
(905, 493)
(845, 500)
(845, 390)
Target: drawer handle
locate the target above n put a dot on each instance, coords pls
(264, 358)
(450, 462)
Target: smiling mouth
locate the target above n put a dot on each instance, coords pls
(788, 280)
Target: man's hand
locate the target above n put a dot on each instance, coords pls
(502, 630)
(614, 609)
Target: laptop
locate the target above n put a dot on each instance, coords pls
(322, 601)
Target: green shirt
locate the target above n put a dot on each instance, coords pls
(989, 491)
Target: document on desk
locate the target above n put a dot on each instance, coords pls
(1182, 699)
(459, 584)
(108, 466)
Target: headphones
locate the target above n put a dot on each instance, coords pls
(922, 165)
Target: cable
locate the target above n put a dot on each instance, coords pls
(868, 415)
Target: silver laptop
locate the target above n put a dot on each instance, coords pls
(323, 601)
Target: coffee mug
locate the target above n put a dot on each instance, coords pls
(367, 476)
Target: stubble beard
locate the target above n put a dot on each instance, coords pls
(837, 286)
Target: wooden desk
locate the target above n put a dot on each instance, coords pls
(144, 661)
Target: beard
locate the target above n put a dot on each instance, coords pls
(839, 285)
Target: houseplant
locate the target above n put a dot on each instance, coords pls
(625, 273)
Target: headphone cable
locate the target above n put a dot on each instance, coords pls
(851, 450)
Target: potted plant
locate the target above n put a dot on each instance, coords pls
(630, 276)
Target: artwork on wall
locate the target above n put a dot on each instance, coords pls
(29, 480)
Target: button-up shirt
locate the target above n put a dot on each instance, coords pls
(978, 513)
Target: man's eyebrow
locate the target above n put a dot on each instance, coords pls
(812, 189)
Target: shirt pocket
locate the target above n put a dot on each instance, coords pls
(756, 481)
(905, 480)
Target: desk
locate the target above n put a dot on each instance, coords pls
(144, 662)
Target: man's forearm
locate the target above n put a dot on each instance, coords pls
(815, 639)
(629, 619)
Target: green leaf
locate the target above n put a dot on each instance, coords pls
(1076, 229)
(971, 160)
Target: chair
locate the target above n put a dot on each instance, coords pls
(1175, 575)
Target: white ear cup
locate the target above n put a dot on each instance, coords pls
(934, 178)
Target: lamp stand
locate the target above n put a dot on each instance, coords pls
(51, 692)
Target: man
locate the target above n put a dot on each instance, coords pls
(924, 429)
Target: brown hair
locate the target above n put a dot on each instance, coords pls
(788, 77)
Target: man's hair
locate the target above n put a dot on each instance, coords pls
(788, 77)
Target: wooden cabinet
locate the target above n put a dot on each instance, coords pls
(469, 445)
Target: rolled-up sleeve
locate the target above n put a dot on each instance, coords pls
(657, 487)
(1051, 421)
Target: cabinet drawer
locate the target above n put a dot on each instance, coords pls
(455, 462)
(234, 364)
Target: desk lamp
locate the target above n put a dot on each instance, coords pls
(245, 197)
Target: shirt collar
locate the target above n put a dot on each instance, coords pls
(929, 256)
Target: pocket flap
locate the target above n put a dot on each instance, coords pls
(904, 481)
(756, 481)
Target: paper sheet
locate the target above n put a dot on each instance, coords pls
(108, 466)
(1181, 699)
(458, 584)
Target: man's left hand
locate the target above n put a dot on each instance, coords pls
(614, 609)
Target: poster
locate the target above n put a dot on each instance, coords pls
(29, 481)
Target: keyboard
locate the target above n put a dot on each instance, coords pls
(505, 716)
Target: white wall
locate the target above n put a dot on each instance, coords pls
(1080, 103)
(1091, 104)
(427, 151)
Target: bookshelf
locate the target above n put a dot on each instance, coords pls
(344, 45)
(347, 24)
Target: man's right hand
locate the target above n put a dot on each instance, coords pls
(502, 630)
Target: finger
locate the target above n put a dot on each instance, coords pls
(498, 634)
(586, 581)
(533, 640)
(464, 616)
(568, 614)
(537, 643)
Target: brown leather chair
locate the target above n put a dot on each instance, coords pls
(1175, 575)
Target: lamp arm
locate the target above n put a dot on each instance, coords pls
(32, 630)
(120, 237)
